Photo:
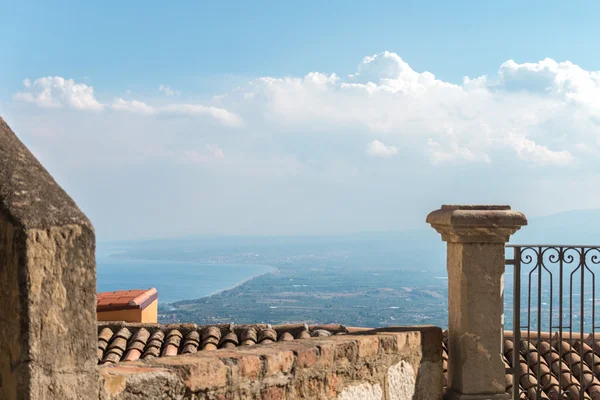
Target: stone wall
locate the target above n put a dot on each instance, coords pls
(382, 364)
(47, 284)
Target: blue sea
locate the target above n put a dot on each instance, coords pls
(175, 280)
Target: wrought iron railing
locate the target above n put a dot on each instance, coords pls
(555, 353)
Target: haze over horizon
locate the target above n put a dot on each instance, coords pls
(329, 118)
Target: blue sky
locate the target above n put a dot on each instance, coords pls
(166, 119)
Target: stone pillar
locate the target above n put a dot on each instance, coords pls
(48, 333)
(475, 237)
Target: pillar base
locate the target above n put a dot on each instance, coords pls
(452, 395)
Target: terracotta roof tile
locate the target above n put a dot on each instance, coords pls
(117, 346)
(191, 343)
(285, 337)
(125, 299)
(564, 366)
(121, 341)
(154, 345)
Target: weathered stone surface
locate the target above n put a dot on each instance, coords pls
(157, 384)
(316, 368)
(250, 366)
(368, 346)
(476, 237)
(47, 283)
(401, 381)
(307, 357)
(476, 224)
(363, 391)
(279, 362)
(29, 196)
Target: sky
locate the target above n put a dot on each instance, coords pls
(167, 119)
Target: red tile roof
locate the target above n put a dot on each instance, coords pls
(570, 366)
(125, 299)
(121, 341)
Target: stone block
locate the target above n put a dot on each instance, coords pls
(368, 346)
(279, 362)
(307, 356)
(346, 351)
(327, 354)
(273, 393)
(249, 367)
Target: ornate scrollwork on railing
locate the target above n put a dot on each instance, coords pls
(554, 312)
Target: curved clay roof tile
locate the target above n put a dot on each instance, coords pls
(211, 338)
(117, 346)
(266, 336)
(285, 337)
(172, 342)
(191, 343)
(303, 335)
(248, 337)
(154, 344)
(103, 338)
(230, 340)
(137, 344)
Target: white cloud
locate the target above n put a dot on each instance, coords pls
(168, 90)
(139, 107)
(541, 113)
(562, 80)
(512, 136)
(378, 149)
(529, 110)
(133, 106)
(57, 92)
(528, 150)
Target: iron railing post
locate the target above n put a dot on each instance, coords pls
(516, 320)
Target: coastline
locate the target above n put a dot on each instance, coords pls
(274, 270)
(240, 283)
(110, 264)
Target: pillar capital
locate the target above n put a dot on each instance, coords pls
(476, 223)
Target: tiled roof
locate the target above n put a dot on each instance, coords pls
(565, 364)
(125, 299)
(132, 341)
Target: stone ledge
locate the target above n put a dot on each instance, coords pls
(309, 368)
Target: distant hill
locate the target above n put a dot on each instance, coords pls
(570, 227)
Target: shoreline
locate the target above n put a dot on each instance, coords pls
(273, 270)
(240, 283)
(113, 256)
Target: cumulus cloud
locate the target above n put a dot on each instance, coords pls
(530, 151)
(57, 92)
(529, 110)
(378, 149)
(541, 113)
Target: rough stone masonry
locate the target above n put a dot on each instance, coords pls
(47, 284)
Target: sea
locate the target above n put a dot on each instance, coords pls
(174, 280)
